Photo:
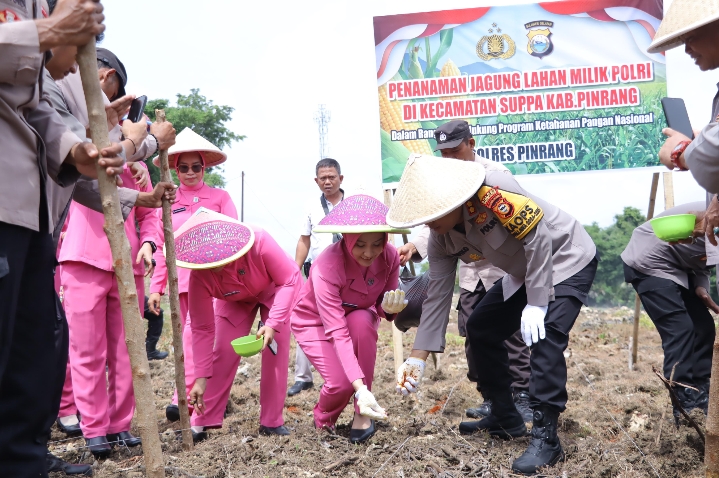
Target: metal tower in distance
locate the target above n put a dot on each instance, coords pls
(322, 118)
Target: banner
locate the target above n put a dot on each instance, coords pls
(546, 88)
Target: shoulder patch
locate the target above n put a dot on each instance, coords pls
(8, 16)
(517, 213)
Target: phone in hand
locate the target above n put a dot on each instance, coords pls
(272, 345)
(677, 117)
(137, 109)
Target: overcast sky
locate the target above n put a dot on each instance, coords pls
(276, 61)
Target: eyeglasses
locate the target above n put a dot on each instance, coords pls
(184, 169)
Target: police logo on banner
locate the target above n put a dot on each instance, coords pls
(495, 46)
(540, 41)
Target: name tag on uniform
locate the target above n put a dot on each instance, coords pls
(179, 209)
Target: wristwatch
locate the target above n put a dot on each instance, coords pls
(677, 152)
(152, 245)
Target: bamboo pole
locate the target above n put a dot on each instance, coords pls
(411, 264)
(173, 287)
(396, 333)
(122, 263)
(711, 445)
(637, 302)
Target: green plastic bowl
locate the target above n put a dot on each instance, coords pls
(247, 346)
(674, 228)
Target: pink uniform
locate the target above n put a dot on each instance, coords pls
(265, 278)
(92, 305)
(189, 200)
(341, 340)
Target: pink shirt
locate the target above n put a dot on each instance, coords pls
(189, 200)
(266, 275)
(85, 239)
(335, 278)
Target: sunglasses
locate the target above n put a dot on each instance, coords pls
(184, 169)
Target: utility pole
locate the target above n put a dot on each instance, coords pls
(242, 199)
(322, 118)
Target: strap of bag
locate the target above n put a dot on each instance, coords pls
(335, 237)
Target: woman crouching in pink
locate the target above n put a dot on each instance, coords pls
(244, 269)
(335, 321)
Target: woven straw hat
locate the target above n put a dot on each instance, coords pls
(210, 239)
(432, 187)
(683, 17)
(188, 141)
(357, 214)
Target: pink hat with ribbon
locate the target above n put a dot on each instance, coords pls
(209, 239)
(357, 214)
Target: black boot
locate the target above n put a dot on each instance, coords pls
(521, 402)
(55, 464)
(687, 399)
(701, 398)
(504, 420)
(484, 410)
(544, 449)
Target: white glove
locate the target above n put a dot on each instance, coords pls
(533, 324)
(393, 301)
(409, 375)
(368, 406)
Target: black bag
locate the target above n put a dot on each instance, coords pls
(415, 292)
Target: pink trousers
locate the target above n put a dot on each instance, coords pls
(337, 389)
(105, 401)
(273, 381)
(186, 346)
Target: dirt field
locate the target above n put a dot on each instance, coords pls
(619, 426)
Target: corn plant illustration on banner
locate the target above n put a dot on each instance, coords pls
(546, 88)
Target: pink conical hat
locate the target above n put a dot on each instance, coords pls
(210, 239)
(357, 214)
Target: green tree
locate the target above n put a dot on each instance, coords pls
(609, 287)
(205, 118)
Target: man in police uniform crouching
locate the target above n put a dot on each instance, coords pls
(550, 263)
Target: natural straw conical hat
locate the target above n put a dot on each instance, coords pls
(209, 239)
(683, 17)
(188, 141)
(357, 214)
(432, 187)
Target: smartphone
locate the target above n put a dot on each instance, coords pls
(137, 109)
(677, 117)
(272, 345)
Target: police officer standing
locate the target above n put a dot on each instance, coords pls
(550, 263)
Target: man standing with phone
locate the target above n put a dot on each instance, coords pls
(328, 176)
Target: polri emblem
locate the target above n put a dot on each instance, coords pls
(195, 199)
(442, 137)
(481, 218)
(370, 282)
(495, 46)
(242, 272)
(540, 41)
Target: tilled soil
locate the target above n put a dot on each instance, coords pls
(617, 423)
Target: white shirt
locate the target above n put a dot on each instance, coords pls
(315, 213)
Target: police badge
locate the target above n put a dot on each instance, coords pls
(540, 42)
(442, 137)
(496, 46)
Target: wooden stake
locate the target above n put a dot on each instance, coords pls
(396, 333)
(711, 448)
(173, 287)
(637, 302)
(122, 264)
(668, 190)
(411, 264)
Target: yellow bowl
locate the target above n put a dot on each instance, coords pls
(673, 228)
(247, 346)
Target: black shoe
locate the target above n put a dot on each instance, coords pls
(199, 436)
(99, 446)
(124, 438)
(687, 399)
(484, 410)
(545, 448)
(298, 387)
(701, 398)
(56, 464)
(281, 430)
(361, 436)
(521, 402)
(69, 430)
(157, 355)
(510, 427)
(172, 412)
